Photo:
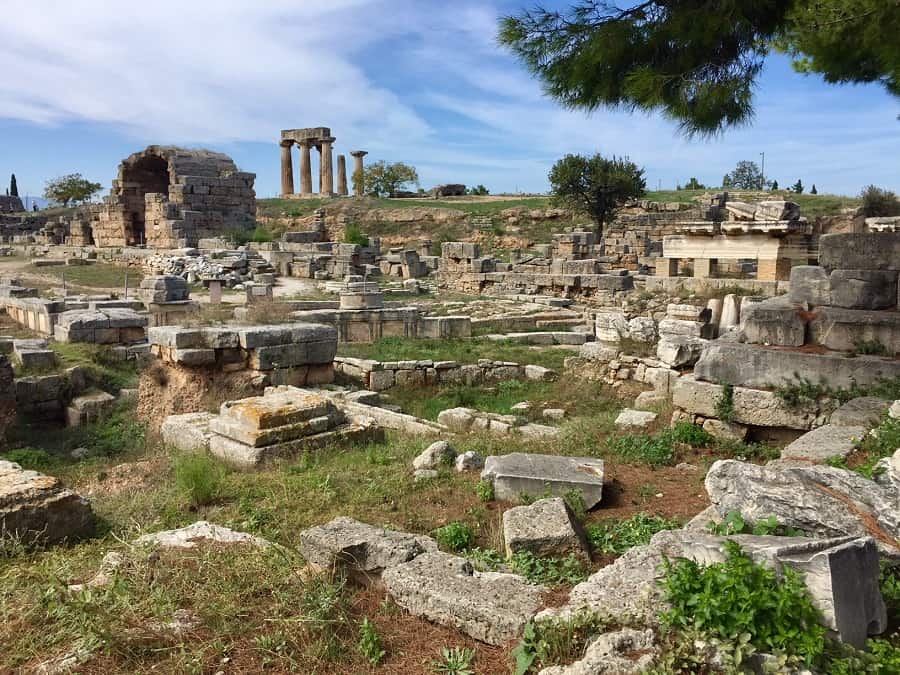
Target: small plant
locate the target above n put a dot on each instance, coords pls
(548, 571)
(575, 501)
(353, 235)
(370, 642)
(199, 478)
(455, 661)
(29, 458)
(881, 442)
(725, 403)
(870, 348)
(659, 449)
(555, 641)
(736, 597)
(456, 536)
(734, 523)
(877, 201)
(485, 490)
(616, 537)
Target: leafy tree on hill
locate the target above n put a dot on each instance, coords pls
(797, 187)
(72, 187)
(694, 184)
(698, 62)
(382, 179)
(774, 185)
(746, 176)
(596, 186)
(13, 186)
(479, 190)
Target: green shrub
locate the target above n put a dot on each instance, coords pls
(485, 490)
(120, 431)
(736, 597)
(870, 348)
(882, 442)
(456, 536)
(199, 478)
(877, 201)
(556, 641)
(659, 448)
(803, 391)
(616, 537)
(370, 642)
(725, 403)
(353, 235)
(734, 523)
(29, 458)
(566, 571)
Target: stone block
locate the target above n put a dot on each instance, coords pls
(348, 545)
(810, 285)
(774, 322)
(546, 528)
(535, 475)
(278, 356)
(865, 411)
(863, 289)
(679, 352)
(438, 454)
(630, 419)
(188, 432)
(727, 431)
(539, 373)
(194, 357)
(648, 400)
(458, 420)
(829, 440)
(844, 329)
(443, 588)
(860, 251)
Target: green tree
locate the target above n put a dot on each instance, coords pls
(382, 179)
(697, 62)
(694, 184)
(746, 176)
(797, 187)
(774, 185)
(13, 186)
(813, 191)
(72, 187)
(877, 201)
(479, 190)
(595, 185)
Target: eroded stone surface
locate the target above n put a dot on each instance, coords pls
(830, 440)
(199, 533)
(532, 474)
(546, 528)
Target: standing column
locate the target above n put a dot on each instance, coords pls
(287, 169)
(327, 167)
(358, 183)
(305, 169)
(342, 175)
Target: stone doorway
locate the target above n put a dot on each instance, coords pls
(149, 174)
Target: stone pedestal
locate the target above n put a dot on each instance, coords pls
(305, 169)
(215, 292)
(704, 268)
(667, 267)
(326, 167)
(778, 269)
(287, 169)
(342, 175)
(358, 168)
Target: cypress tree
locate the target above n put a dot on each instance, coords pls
(13, 188)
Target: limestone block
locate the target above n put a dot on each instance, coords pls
(810, 285)
(176, 337)
(774, 322)
(539, 373)
(860, 251)
(679, 352)
(642, 329)
(187, 432)
(863, 289)
(88, 407)
(199, 533)
(843, 329)
(679, 328)
(623, 652)
(777, 210)
(597, 351)
(731, 314)
(610, 326)
(458, 420)
(38, 508)
(865, 411)
(829, 440)
(194, 357)
(438, 454)
(648, 400)
(728, 431)
(534, 474)
(350, 545)
(469, 460)
(630, 419)
(279, 356)
(488, 606)
(685, 312)
(546, 528)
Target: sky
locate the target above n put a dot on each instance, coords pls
(88, 82)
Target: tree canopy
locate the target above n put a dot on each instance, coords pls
(72, 187)
(382, 179)
(695, 61)
(746, 176)
(595, 185)
(13, 186)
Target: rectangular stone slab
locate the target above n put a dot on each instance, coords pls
(539, 475)
(276, 410)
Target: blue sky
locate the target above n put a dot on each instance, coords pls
(88, 82)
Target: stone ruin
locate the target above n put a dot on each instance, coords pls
(169, 197)
(321, 139)
(10, 204)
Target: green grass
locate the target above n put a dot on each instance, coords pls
(98, 275)
(461, 350)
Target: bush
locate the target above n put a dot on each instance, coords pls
(370, 642)
(29, 458)
(879, 202)
(485, 490)
(616, 537)
(659, 449)
(353, 235)
(738, 597)
(455, 536)
(199, 478)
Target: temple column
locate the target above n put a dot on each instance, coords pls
(358, 186)
(342, 175)
(305, 169)
(326, 167)
(287, 169)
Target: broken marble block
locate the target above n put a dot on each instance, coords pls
(37, 507)
(187, 432)
(438, 454)
(630, 419)
(489, 606)
(829, 440)
(539, 475)
(546, 528)
(360, 549)
(199, 533)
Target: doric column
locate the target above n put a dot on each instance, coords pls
(326, 167)
(342, 175)
(305, 169)
(287, 169)
(358, 186)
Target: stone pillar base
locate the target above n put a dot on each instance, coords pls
(778, 269)
(667, 267)
(704, 268)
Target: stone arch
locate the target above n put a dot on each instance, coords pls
(147, 174)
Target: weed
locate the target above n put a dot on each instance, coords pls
(485, 490)
(370, 642)
(455, 661)
(575, 500)
(555, 641)
(803, 391)
(566, 571)
(725, 403)
(616, 537)
(29, 458)
(199, 478)
(659, 449)
(871, 348)
(119, 432)
(729, 599)
(646, 491)
(354, 235)
(456, 536)
(734, 523)
(881, 442)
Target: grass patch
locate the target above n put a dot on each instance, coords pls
(614, 537)
(803, 391)
(199, 478)
(98, 275)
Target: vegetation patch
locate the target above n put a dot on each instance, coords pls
(614, 537)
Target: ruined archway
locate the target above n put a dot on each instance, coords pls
(148, 174)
